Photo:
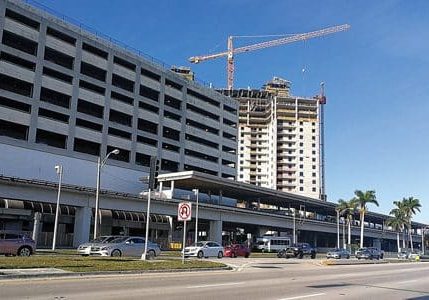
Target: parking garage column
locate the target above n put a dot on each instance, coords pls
(216, 231)
(82, 223)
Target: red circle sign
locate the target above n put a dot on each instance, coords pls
(184, 211)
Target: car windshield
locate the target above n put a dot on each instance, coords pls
(118, 240)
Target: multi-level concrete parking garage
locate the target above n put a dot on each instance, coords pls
(69, 97)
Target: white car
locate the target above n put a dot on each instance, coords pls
(85, 249)
(126, 246)
(204, 249)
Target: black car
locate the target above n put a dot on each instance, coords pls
(298, 250)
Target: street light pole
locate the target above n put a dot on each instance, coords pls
(146, 239)
(196, 192)
(100, 164)
(59, 170)
(338, 229)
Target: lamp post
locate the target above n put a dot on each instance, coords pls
(146, 239)
(59, 170)
(338, 228)
(100, 164)
(196, 192)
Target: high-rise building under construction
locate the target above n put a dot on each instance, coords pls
(280, 139)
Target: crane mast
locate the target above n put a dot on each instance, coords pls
(281, 41)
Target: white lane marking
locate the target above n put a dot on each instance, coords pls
(406, 281)
(213, 285)
(303, 296)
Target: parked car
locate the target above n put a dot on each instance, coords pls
(126, 246)
(338, 253)
(298, 250)
(407, 254)
(381, 252)
(368, 253)
(204, 249)
(16, 244)
(235, 250)
(85, 249)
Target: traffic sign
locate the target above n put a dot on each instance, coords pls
(184, 211)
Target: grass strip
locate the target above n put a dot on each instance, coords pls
(97, 264)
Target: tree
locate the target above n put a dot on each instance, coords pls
(400, 211)
(347, 209)
(397, 222)
(362, 199)
(411, 206)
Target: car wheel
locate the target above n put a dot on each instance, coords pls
(24, 251)
(247, 255)
(200, 254)
(151, 254)
(300, 255)
(220, 254)
(313, 255)
(116, 253)
(233, 254)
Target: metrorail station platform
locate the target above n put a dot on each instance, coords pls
(228, 211)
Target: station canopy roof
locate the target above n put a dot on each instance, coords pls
(205, 183)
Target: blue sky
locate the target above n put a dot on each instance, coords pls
(376, 74)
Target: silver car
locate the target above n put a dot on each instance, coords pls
(126, 246)
(204, 249)
(85, 249)
(338, 253)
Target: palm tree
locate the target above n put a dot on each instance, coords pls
(362, 199)
(347, 209)
(400, 211)
(411, 206)
(397, 222)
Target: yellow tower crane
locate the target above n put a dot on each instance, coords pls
(281, 41)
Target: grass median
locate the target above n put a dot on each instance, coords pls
(99, 264)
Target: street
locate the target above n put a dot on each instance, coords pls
(257, 278)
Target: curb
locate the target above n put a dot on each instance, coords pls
(107, 273)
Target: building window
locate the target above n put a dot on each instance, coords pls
(13, 130)
(301, 189)
(301, 174)
(51, 139)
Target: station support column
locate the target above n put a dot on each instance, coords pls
(216, 231)
(82, 223)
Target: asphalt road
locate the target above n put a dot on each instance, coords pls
(257, 278)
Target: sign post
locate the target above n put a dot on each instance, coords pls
(184, 212)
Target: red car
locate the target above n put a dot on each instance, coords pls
(235, 250)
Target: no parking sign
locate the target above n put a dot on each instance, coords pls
(184, 211)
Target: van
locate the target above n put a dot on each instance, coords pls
(272, 243)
